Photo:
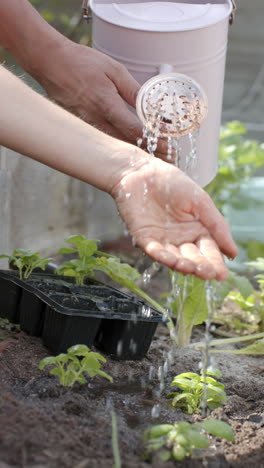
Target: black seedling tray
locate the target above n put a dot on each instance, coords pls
(70, 320)
(10, 296)
(65, 314)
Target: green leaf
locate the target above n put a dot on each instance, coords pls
(243, 285)
(67, 250)
(218, 428)
(47, 361)
(105, 375)
(79, 350)
(197, 439)
(178, 452)
(257, 264)
(157, 431)
(165, 455)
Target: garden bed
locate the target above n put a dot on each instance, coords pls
(46, 425)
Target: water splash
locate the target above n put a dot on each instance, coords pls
(206, 358)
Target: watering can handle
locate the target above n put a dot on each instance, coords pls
(233, 13)
(85, 8)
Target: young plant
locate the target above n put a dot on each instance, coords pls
(178, 441)
(188, 300)
(90, 260)
(192, 388)
(26, 261)
(72, 367)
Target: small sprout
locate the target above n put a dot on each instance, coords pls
(191, 387)
(26, 261)
(73, 366)
(90, 260)
(178, 441)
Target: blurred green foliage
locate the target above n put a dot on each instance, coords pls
(239, 160)
(66, 17)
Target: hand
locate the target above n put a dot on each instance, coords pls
(94, 87)
(174, 220)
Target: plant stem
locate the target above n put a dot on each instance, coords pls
(115, 446)
(223, 341)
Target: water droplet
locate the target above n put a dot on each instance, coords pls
(151, 373)
(155, 412)
(119, 348)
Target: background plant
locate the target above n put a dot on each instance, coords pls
(73, 366)
(239, 159)
(178, 441)
(26, 261)
(192, 388)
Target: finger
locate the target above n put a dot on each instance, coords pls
(211, 252)
(216, 225)
(182, 264)
(171, 258)
(203, 268)
(120, 117)
(107, 128)
(126, 85)
(158, 252)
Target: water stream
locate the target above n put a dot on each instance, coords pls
(153, 130)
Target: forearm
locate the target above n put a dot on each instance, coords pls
(29, 38)
(32, 125)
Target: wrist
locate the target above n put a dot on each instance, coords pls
(126, 161)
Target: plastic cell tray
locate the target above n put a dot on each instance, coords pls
(10, 296)
(70, 320)
(65, 314)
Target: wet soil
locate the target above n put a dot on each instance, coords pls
(45, 425)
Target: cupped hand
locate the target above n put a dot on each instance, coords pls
(174, 220)
(96, 88)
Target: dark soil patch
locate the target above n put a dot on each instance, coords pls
(43, 425)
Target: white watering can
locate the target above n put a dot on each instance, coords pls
(186, 37)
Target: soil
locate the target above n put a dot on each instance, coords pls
(46, 425)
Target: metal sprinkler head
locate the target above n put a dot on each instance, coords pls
(174, 103)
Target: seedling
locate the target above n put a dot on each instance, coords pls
(188, 300)
(91, 260)
(26, 261)
(72, 367)
(193, 387)
(178, 441)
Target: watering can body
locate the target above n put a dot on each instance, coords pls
(184, 37)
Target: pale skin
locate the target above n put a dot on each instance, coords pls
(170, 217)
(80, 79)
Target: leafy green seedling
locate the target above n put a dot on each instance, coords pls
(192, 387)
(26, 261)
(90, 260)
(189, 303)
(72, 366)
(178, 441)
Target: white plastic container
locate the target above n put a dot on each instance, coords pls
(168, 36)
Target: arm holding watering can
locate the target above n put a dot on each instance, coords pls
(80, 79)
(169, 216)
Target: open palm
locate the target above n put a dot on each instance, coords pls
(174, 220)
